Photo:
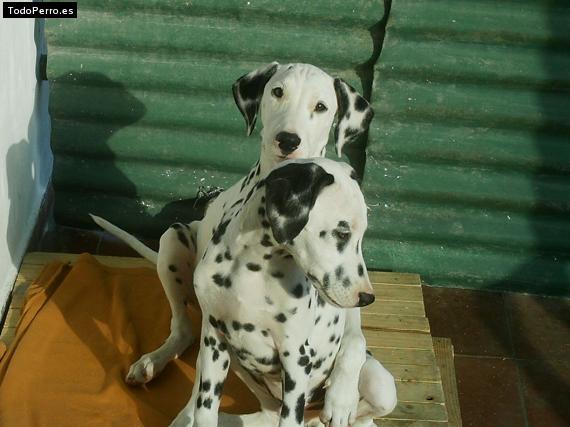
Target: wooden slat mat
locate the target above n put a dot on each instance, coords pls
(396, 329)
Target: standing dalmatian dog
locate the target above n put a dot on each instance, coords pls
(278, 283)
(297, 104)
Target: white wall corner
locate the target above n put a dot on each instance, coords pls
(25, 155)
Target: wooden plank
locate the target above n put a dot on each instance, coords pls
(419, 411)
(417, 373)
(387, 292)
(399, 308)
(383, 422)
(7, 335)
(420, 392)
(404, 356)
(443, 351)
(19, 294)
(396, 339)
(12, 317)
(394, 322)
(395, 278)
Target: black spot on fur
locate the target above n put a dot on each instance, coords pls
(354, 175)
(213, 321)
(336, 319)
(220, 231)
(299, 408)
(222, 281)
(215, 355)
(266, 241)
(360, 104)
(264, 333)
(360, 270)
(339, 272)
(218, 389)
(249, 327)
(322, 234)
(281, 318)
(298, 291)
(205, 386)
(261, 211)
(288, 383)
(207, 403)
(267, 256)
(284, 411)
(253, 267)
(178, 280)
(346, 282)
(226, 364)
(228, 255)
(277, 274)
(219, 258)
(183, 239)
(172, 268)
(303, 361)
(291, 193)
(199, 402)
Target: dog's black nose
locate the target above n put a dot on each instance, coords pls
(288, 142)
(365, 299)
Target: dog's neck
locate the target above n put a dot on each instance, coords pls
(249, 227)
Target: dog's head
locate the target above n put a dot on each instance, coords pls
(316, 210)
(298, 104)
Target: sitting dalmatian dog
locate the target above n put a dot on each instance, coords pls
(297, 104)
(277, 284)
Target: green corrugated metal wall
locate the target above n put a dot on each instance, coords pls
(469, 160)
(467, 165)
(141, 103)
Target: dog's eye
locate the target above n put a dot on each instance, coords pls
(320, 107)
(343, 235)
(277, 92)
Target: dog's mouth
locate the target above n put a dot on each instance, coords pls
(320, 289)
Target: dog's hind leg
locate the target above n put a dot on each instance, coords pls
(377, 390)
(175, 267)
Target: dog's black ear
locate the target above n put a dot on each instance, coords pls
(291, 192)
(248, 90)
(354, 114)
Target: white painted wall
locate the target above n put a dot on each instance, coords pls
(25, 156)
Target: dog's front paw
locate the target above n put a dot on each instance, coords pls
(340, 406)
(143, 370)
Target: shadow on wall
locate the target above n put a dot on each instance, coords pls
(107, 188)
(356, 152)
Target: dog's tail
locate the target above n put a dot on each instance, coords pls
(129, 239)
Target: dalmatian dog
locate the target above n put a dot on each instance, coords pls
(277, 284)
(297, 104)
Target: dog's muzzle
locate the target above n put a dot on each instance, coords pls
(288, 142)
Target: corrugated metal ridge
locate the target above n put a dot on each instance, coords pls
(143, 33)
(344, 14)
